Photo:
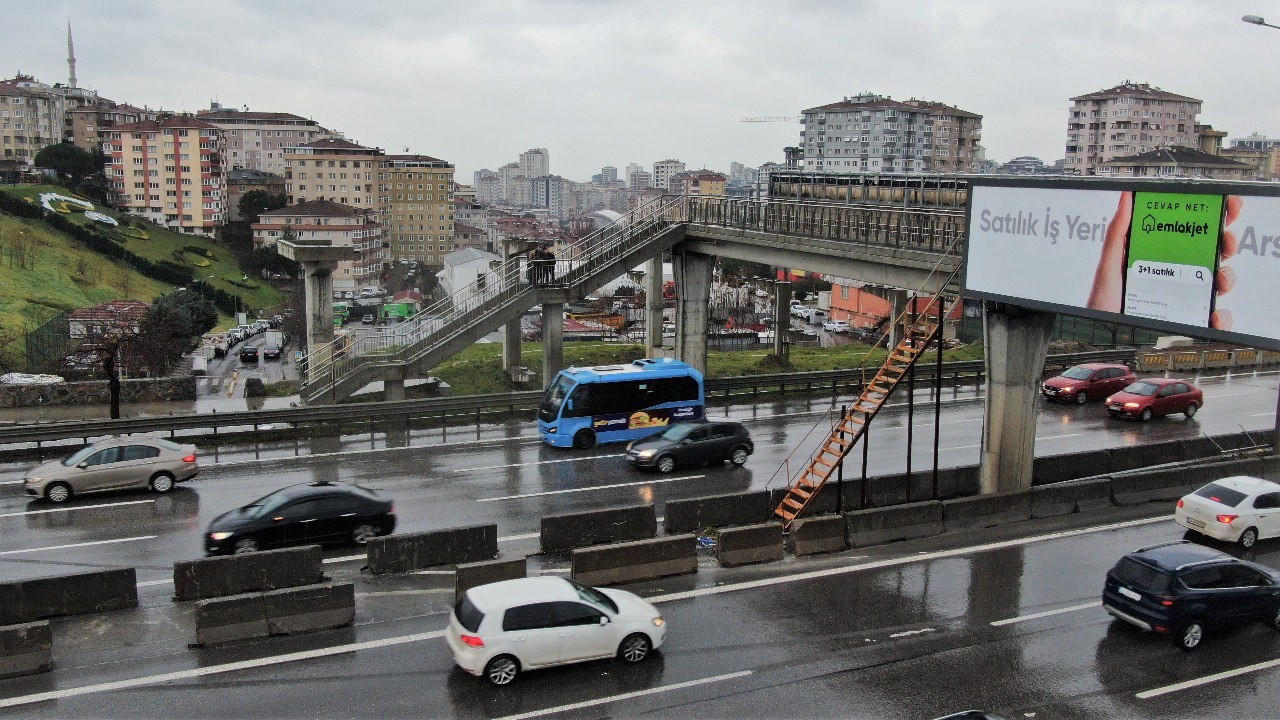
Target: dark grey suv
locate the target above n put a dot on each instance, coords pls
(1182, 589)
(691, 443)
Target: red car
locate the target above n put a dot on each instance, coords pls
(1090, 381)
(1146, 399)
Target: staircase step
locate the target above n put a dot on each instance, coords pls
(793, 503)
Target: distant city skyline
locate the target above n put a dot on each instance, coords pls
(613, 83)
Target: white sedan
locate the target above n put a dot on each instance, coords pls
(839, 326)
(1236, 509)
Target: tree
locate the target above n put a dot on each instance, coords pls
(73, 164)
(256, 202)
(169, 328)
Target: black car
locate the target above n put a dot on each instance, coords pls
(316, 513)
(271, 351)
(690, 443)
(248, 354)
(1181, 589)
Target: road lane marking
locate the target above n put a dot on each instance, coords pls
(347, 558)
(215, 669)
(81, 507)
(540, 462)
(1046, 613)
(83, 544)
(1044, 437)
(627, 696)
(589, 489)
(526, 536)
(1197, 682)
(149, 583)
(909, 633)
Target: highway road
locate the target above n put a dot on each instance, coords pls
(899, 631)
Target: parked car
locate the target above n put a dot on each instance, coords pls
(309, 514)
(502, 629)
(1236, 509)
(115, 463)
(816, 316)
(838, 326)
(1182, 590)
(1148, 398)
(693, 442)
(248, 354)
(367, 319)
(271, 351)
(1090, 381)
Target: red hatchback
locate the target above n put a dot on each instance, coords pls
(1146, 399)
(1090, 381)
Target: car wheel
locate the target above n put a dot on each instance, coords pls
(739, 456)
(1146, 415)
(1248, 537)
(162, 483)
(634, 648)
(502, 670)
(57, 492)
(246, 545)
(1082, 397)
(1190, 412)
(665, 464)
(364, 532)
(584, 439)
(1190, 636)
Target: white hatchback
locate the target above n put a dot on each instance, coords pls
(1236, 509)
(501, 629)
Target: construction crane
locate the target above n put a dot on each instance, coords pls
(772, 119)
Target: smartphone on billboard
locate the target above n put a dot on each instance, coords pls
(1171, 257)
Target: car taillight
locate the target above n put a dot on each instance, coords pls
(1181, 503)
(473, 641)
(189, 459)
(1167, 602)
(1227, 519)
(391, 510)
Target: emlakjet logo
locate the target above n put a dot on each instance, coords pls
(1150, 224)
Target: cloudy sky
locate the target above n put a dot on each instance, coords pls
(611, 82)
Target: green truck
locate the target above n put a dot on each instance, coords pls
(395, 312)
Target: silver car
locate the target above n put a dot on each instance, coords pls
(115, 463)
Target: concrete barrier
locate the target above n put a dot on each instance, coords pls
(595, 527)
(749, 544)
(416, 551)
(1058, 468)
(1217, 359)
(811, 536)
(985, 511)
(1141, 456)
(1069, 497)
(23, 601)
(1164, 485)
(1244, 357)
(230, 619)
(633, 561)
(482, 573)
(695, 514)
(900, 522)
(289, 611)
(25, 649)
(225, 575)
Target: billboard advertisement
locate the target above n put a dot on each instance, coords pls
(1203, 259)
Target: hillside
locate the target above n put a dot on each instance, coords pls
(44, 271)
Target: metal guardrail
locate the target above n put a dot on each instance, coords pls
(350, 414)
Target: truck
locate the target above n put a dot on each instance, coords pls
(395, 312)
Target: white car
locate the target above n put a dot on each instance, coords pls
(501, 629)
(839, 326)
(1236, 509)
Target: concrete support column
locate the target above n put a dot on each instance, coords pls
(393, 388)
(898, 302)
(781, 327)
(317, 288)
(552, 341)
(1017, 341)
(511, 331)
(693, 291)
(653, 305)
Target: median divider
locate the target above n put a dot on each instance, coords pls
(309, 608)
(694, 514)
(25, 649)
(224, 575)
(877, 526)
(982, 511)
(811, 536)
(595, 527)
(417, 551)
(749, 544)
(634, 561)
(23, 601)
(1166, 484)
(489, 571)
(1073, 496)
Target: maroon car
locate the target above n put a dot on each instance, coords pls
(1146, 399)
(1090, 381)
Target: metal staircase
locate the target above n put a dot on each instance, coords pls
(921, 328)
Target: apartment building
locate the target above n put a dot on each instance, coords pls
(488, 186)
(84, 125)
(170, 171)
(335, 169)
(663, 170)
(551, 192)
(240, 181)
(507, 175)
(257, 140)
(31, 117)
(325, 221)
(875, 133)
(698, 182)
(535, 162)
(419, 218)
(639, 180)
(1127, 120)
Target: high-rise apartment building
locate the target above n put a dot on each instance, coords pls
(257, 140)
(663, 170)
(31, 117)
(170, 171)
(609, 174)
(1128, 119)
(324, 221)
(639, 180)
(874, 133)
(506, 177)
(535, 162)
(84, 126)
(343, 172)
(551, 192)
(419, 219)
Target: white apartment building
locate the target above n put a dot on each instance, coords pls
(875, 133)
(257, 140)
(663, 170)
(535, 162)
(1128, 119)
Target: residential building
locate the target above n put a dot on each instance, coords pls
(663, 170)
(1127, 120)
(257, 140)
(328, 222)
(1181, 162)
(875, 133)
(477, 215)
(535, 163)
(1264, 162)
(488, 185)
(241, 181)
(507, 176)
(697, 182)
(465, 268)
(335, 169)
(419, 218)
(1028, 165)
(170, 171)
(520, 192)
(31, 117)
(639, 180)
(1256, 142)
(629, 171)
(609, 174)
(550, 192)
(466, 236)
(84, 126)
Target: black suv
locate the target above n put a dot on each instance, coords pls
(1180, 589)
(692, 442)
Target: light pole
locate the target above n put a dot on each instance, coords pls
(1255, 20)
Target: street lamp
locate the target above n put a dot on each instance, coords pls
(1255, 20)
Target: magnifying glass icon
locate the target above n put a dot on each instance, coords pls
(1200, 275)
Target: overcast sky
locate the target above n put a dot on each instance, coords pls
(611, 82)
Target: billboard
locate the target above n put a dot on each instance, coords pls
(1202, 258)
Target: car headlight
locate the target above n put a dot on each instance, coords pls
(219, 535)
(646, 454)
(1068, 388)
(33, 480)
(1133, 406)
(659, 622)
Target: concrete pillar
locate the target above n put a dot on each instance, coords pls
(653, 305)
(393, 389)
(1017, 341)
(317, 288)
(898, 301)
(693, 291)
(552, 341)
(511, 331)
(782, 320)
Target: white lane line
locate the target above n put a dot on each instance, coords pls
(1042, 437)
(83, 544)
(1046, 613)
(539, 462)
(1058, 437)
(80, 507)
(215, 669)
(589, 489)
(1197, 682)
(149, 583)
(347, 558)
(628, 696)
(528, 536)
(909, 633)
